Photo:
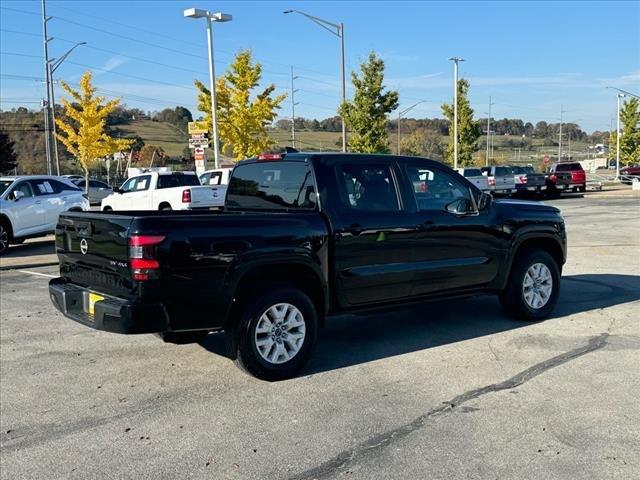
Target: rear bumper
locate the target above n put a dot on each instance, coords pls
(112, 314)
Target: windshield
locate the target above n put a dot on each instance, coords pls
(272, 186)
(177, 180)
(4, 184)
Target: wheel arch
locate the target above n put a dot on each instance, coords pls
(164, 204)
(6, 221)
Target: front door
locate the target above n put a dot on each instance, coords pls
(456, 246)
(28, 211)
(373, 234)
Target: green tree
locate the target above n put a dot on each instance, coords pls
(367, 115)
(243, 115)
(468, 130)
(84, 132)
(630, 133)
(423, 143)
(8, 157)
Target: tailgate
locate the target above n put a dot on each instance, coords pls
(208, 196)
(93, 250)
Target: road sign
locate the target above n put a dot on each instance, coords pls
(546, 159)
(198, 142)
(198, 127)
(199, 135)
(198, 153)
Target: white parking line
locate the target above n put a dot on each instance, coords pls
(37, 273)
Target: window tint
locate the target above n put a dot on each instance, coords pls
(369, 187)
(177, 180)
(528, 170)
(4, 184)
(81, 183)
(204, 178)
(567, 167)
(472, 172)
(271, 186)
(59, 187)
(435, 189)
(25, 188)
(97, 184)
(143, 183)
(499, 171)
(213, 178)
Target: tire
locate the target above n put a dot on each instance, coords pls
(269, 361)
(165, 208)
(583, 188)
(517, 299)
(5, 238)
(107, 209)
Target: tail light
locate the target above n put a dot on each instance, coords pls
(142, 256)
(492, 181)
(270, 156)
(523, 179)
(186, 196)
(553, 178)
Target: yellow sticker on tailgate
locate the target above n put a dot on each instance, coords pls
(93, 298)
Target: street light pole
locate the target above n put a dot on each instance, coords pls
(401, 113)
(336, 29)
(455, 61)
(488, 132)
(53, 65)
(46, 103)
(293, 110)
(210, 18)
(619, 96)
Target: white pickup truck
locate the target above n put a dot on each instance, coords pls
(164, 191)
(475, 176)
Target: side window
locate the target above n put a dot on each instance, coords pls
(60, 187)
(97, 184)
(143, 183)
(368, 188)
(42, 187)
(204, 178)
(25, 188)
(129, 185)
(215, 179)
(434, 189)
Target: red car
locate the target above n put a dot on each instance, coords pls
(629, 173)
(578, 176)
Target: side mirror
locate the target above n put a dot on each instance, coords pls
(460, 206)
(17, 195)
(486, 199)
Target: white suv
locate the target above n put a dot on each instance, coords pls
(30, 205)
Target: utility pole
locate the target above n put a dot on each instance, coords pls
(619, 96)
(455, 61)
(560, 136)
(293, 110)
(488, 132)
(46, 103)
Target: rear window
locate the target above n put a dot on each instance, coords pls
(177, 180)
(568, 167)
(272, 186)
(502, 171)
(472, 172)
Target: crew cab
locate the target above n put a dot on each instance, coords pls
(217, 176)
(164, 191)
(304, 236)
(578, 175)
(30, 205)
(500, 179)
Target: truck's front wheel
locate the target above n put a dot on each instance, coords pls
(275, 334)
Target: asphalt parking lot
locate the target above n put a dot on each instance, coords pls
(447, 390)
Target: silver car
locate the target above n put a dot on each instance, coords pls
(97, 190)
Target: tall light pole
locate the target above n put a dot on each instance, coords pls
(488, 132)
(53, 65)
(401, 113)
(336, 29)
(210, 18)
(46, 103)
(455, 61)
(560, 135)
(293, 110)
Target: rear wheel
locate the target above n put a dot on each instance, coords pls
(275, 334)
(533, 288)
(107, 209)
(4, 238)
(165, 207)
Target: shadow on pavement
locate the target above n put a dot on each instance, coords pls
(348, 340)
(32, 247)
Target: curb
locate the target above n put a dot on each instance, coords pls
(27, 265)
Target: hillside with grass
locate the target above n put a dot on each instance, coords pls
(162, 134)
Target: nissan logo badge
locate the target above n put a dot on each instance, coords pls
(84, 247)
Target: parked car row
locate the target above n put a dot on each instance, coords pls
(30, 206)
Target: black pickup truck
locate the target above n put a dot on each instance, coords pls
(301, 237)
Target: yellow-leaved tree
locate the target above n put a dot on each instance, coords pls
(84, 133)
(242, 117)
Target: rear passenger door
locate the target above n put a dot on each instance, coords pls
(373, 233)
(51, 201)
